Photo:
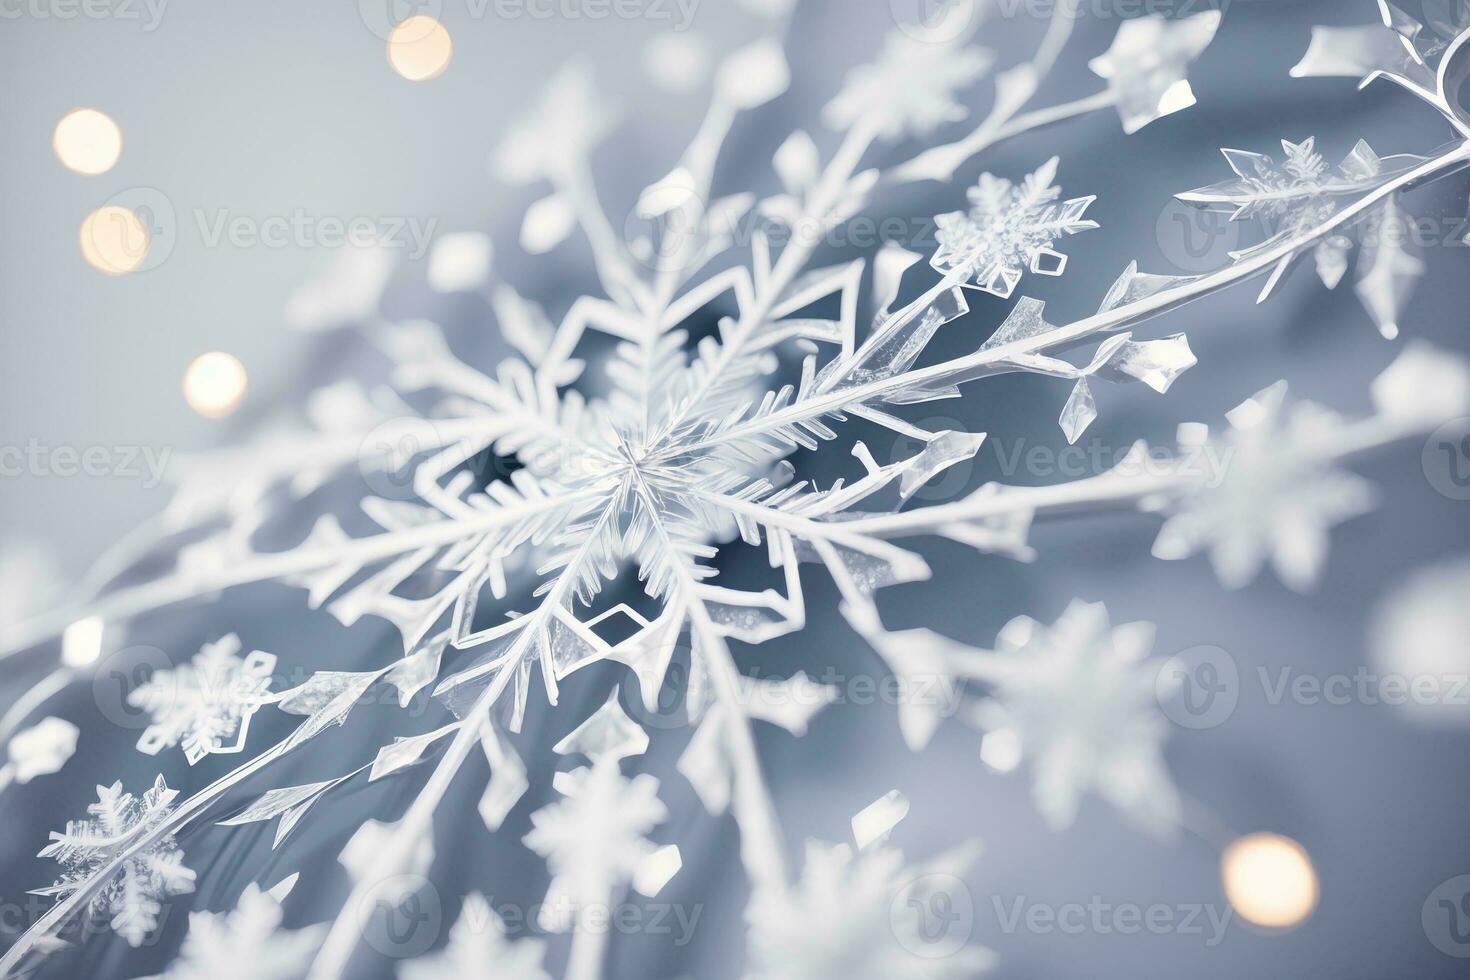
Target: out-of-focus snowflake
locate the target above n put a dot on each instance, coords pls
(246, 943)
(133, 896)
(596, 837)
(1277, 496)
(39, 750)
(1079, 698)
(1417, 636)
(207, 703)
(910, 89)
(1009, 229)
(864, 915)
(478, 948)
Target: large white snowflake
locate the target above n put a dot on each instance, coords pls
(648, 445)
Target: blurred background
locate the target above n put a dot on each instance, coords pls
(288, 111)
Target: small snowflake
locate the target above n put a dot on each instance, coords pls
(861, 916)
(910, 89)
(1010, 229)
(246, 943)
(1276, 497)
(133, 896)
(205, 703)
(479, 948)
(595, 837)
(1079, 699)
(555, 137)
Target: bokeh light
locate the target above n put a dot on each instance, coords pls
(113, 240)
(1269, 880)
(419, 48)
(214, 384)
(87, 141)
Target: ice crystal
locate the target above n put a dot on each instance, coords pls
(120, 840)
(1010, 229)
(1079, 699)
(1276, 496)
(246, 943)
(478, 947)
(911, 89)
(205, 704)
(865, 915)
(1145, 68)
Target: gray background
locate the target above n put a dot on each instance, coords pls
(272, 106)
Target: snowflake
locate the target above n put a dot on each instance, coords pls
(910, 89)
(246, 943)
(1079, 699)
(479, 948)
(1416, 637)
(866, 916)
(1145, 68)
(205, 703)
(121, 832)
(593, 837)
(1277, 494)
(1010, 229)
(40, 750)
(655, 429)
